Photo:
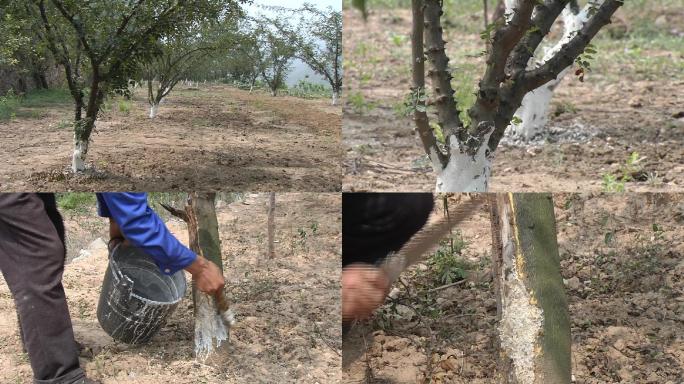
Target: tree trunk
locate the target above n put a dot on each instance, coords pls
(534, 323)
(154, 108)
(271, 225)
(465, 172)
(204, 239)
(534, 110)
(335, 96)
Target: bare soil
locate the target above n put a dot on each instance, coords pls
(625, 105)
(213, 137)
(622, 261)
(288, 308)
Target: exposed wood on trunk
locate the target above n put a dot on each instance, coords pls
(200, 215)
(534, 327)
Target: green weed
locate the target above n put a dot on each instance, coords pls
(359, 103)
(78, 202)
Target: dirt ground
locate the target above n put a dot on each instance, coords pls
(630, 102)
(214, 136)
(288, 309)
(622, 261)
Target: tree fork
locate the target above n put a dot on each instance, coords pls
(534, 327)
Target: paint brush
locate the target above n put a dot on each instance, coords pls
(223, 309)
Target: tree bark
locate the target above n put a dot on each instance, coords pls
(271, 225)
(534, 323)
(204, 240)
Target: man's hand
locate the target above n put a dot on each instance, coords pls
(206, 275)
(364, 288)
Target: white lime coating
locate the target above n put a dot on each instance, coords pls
(78, 158)
(153, 110)
(464, 172)
(534, 109)
(209, 326)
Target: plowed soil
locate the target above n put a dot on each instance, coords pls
(210, 137)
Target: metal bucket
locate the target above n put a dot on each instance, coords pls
(136, 298)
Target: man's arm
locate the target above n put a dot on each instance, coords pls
(132, 218)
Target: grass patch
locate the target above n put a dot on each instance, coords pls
(9, 104)
(77, 202)
(46, 98)
(13, 105)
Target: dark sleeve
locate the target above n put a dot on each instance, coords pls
(375, 224)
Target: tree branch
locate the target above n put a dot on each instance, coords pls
(503, 42)
(537, 77)
(427, 136)
(440, 74)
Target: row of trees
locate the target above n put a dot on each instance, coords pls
(101, 45)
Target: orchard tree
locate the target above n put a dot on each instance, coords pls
(463, 161)
(532, 116)
(277, 49)
(12, 37)
(105, 41)
(183, 52)
(246, 62)
(319, 44)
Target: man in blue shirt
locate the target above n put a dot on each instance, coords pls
(32, 256)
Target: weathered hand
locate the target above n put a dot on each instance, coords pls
(364, 288)
(206, 276)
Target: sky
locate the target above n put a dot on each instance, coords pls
(300, 71)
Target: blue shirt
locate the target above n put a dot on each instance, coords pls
(142, 227)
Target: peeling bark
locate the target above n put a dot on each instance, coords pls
(534, 323)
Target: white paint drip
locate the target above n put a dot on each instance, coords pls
(78, 157)
(464, 173)
(534, 109)
(208, 326)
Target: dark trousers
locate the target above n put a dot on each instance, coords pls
(32, 256)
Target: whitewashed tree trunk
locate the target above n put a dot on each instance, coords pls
(464, 172)
(274, 93)
(534, 323)
(154, 108)
(78, 158)
(335, 97)
(534, 110)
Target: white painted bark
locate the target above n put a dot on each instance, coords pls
(335, 97)
(521, 321)
(79, 155)
(534, 110)
(464, 173)
(273, 93)
(154, 108)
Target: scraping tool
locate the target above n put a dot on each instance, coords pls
(427, 238)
